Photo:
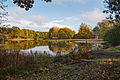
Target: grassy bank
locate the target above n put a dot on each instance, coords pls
(98, 66)
(18, 39)
(73, 39)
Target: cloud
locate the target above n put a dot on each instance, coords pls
(93, 16)
(17, 13)
(58, 21)
(38, 20)
(17, 17)
(39, 23)
(53, 23)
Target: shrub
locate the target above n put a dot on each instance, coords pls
(113, 36)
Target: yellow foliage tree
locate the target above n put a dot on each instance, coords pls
(84, 32)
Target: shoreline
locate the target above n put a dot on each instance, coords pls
(57, 39)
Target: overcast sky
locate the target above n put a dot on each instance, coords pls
(60, 13)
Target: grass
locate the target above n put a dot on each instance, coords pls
(16, 66)
(113, 49)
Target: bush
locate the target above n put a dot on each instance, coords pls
(113, 36)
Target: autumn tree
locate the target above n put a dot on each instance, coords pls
(53, 32)
(37, 35)
(15, 32)
(84, 32)
(65, 33)
(45, 35)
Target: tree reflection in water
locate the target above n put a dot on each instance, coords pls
(82, 51)
(22, 45)
(56, 47)
(61, 47)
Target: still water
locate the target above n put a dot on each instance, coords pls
(52, 48)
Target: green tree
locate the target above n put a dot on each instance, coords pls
(104, 26)
(113, 36)
(96, 31)
(1, 37)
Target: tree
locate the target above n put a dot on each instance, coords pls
(104, 26)
(21, 3)
(1, 37)
(96, 31)
(113, 8)
(15, 32)
(113, 36)
(84, 32)
(3, 13)
(53, 32)
(26, 3)
(65, 33)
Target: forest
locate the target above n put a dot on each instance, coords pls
(15, 32)
(84, 32)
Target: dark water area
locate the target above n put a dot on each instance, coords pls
(49, 47)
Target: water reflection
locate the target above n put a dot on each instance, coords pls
(61, 47)
(22, 45)
(54, 47)
(83, 50)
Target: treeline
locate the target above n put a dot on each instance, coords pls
(103, 27)
(109, 31)
(15, 32)
(84, 32)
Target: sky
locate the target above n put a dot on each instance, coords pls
(59, 13)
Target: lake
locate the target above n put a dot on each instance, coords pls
(49, 47)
